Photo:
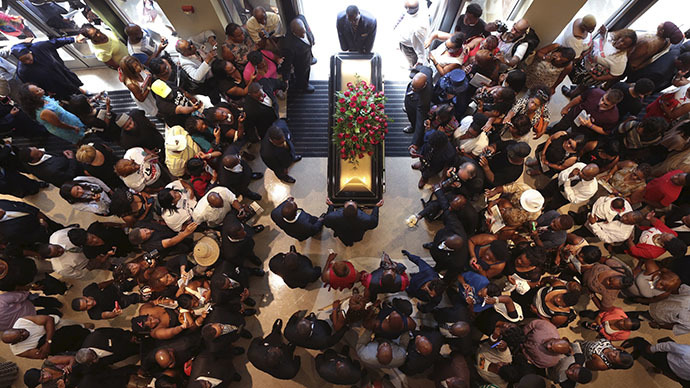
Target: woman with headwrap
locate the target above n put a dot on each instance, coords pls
(40, 64)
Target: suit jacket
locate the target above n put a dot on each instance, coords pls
(418, 104)
(237, 182)
(322, 336)
(325, 367)
(259, 117)
(453, 260)
(114, 340)
(474, 186)
(257, 354)
(360, 39)
(57, 170)
(299, 277)
(278, 158)
(236, 251)
(305, 226)
(219, 346)
(22, 230)
(297, 52)
(415, 362)
(207, 364)
(350, 231)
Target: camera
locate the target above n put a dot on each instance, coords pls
(151, 256)
(454, 178)
(500, 26)
(488, 154)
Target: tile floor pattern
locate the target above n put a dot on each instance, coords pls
(276, 300)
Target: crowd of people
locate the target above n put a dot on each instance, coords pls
(511, 263)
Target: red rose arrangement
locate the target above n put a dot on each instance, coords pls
(359, 120)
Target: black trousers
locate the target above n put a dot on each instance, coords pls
(660, 361)
(552, 191)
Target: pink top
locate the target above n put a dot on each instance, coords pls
(613, 314)
(271, 72)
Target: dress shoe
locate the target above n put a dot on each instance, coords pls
(428, 245)
(257, 175)
(313, 61)
(567, 90)
(258, 228)
(404, 252)
(244, 333)
(250, 302)
(236, 351)
(408, 129)
(287, 179)
(43, 185)
(253, 196)
(297, 158)
(248, 312)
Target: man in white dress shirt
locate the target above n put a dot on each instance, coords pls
(576, 185)
(412, 30)
(612, 219)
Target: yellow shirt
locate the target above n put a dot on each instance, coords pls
(272, 24)
(112, 49)
(176, 161)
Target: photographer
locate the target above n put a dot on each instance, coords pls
(515, 43)
(495, 102)
(436, 154)
(467, 179)
(504, 162)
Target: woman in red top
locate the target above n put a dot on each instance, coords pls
(655, 241)
(339, 275)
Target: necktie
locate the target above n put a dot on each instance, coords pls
(575, 181)
(617, 217)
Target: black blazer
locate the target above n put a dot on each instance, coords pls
(237, 182)
(236, 252)
(114, 340)
(305, 226)
(257, 354)
(278, 158)
(322, 336)
(207, 364)
(674, 219)
(57, 170)
(325, 367)
(350, 231)
(299, 277)
(361, 39)
(259, 117)
(295, 51)
(22, 230)
(453, 260)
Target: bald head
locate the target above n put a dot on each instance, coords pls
(86, 356)
(458, 202)
(165, 358)
(289, 211)
(455, 242)
(230, 161)
(350, 209)
(394, 322)
(521, 26)
(384, 353)
(412, 4)
(423, 345)
(303, 328)
(297, 28)
(215, 200)
(460, 329)
(259, 14)
(419, 81)
(13, 336)
(590, 172)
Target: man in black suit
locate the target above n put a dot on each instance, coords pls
(24, 224)
(338, 368)
(678, 220)
(272, 356)
(468, 215)
(236, 174)
(238, 241)
(422, 351)
(470, 178)
(356, 30)
(278, 152)
(309, 332)
(52, 168)
(295, 221)
(209, 368)
(230, 289)
(417, 105)
(449, 248)
(172, 354)
(120, 343)
(297, 53)
(296, 270)
(261, 110)
(350, 223)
